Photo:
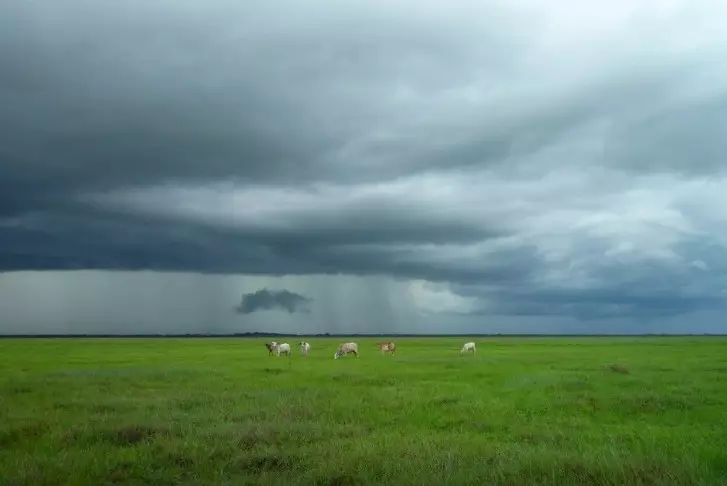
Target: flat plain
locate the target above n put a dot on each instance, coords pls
(522, 411)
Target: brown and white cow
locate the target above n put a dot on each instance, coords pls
(387, 347)
(346, 348)
(272, 348)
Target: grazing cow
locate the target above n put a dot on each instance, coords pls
(387, 347)
(283, 348)
(346, 348)
(271, 347)
(304, 347)
(468, 347)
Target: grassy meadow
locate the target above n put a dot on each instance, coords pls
(522, 411)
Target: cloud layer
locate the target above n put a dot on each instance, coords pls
(537, 159)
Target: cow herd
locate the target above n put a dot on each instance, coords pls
(347, 348)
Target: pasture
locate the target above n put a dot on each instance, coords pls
(556, 411)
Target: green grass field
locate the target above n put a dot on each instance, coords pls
(221, 411)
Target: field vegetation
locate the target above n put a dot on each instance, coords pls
(522, 411)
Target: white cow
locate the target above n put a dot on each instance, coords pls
(304, 347)
(346, 348)
(470, 346)
(283, 348)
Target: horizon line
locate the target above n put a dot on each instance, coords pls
(330, 335)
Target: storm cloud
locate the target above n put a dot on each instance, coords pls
(533, 160)
(265, 299)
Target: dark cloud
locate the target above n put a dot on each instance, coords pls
(546, 160)
(598, 304)
(265, 299)
(93, 240)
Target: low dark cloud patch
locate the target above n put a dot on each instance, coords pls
(265, 299)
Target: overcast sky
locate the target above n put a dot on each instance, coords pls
(461, 166)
